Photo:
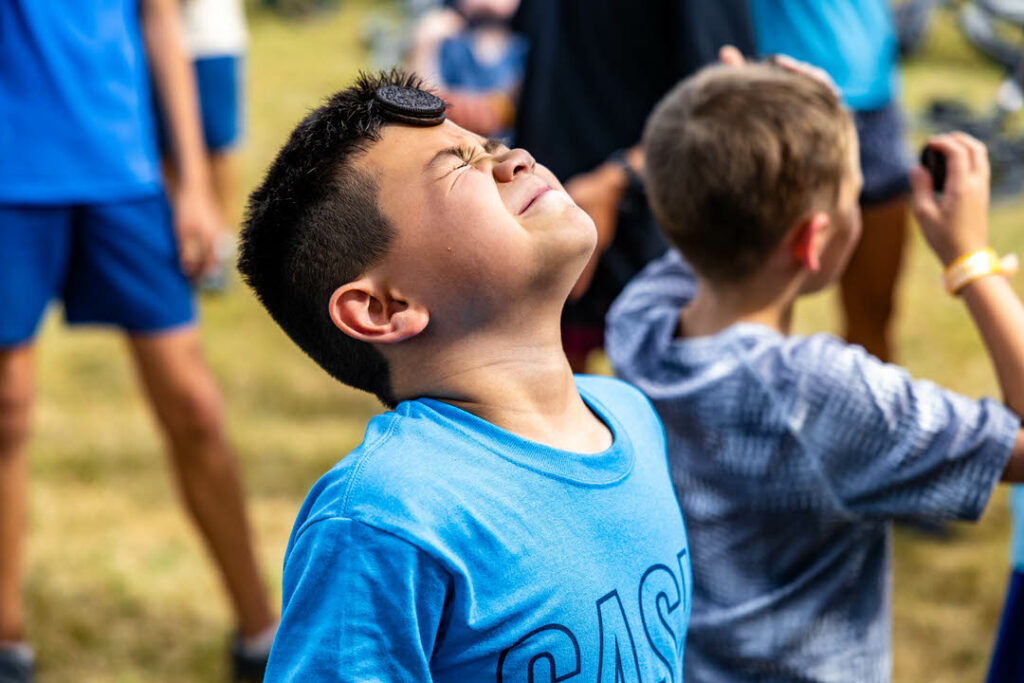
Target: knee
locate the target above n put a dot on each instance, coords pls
(195, 416)
(15, 416)
(868, 302)
(879, 302)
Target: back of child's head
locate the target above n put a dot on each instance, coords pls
(315, 224)
(735, 156)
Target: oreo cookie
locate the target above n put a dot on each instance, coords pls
(411, 106)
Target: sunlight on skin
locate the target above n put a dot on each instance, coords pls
(108, 543)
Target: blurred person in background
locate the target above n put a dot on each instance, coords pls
(594, 71)
(855, 42)
(1008, 658)
(215, 38)
(466, 51)
(84, 219)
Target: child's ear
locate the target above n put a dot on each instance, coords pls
(367, 311)
(807, 241)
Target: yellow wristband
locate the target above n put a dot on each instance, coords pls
(976, 264)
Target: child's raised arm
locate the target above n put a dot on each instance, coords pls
(955, 225)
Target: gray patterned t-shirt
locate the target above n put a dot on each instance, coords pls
(790, 456)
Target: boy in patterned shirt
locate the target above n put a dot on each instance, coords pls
(790, 454)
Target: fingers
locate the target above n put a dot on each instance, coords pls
(190, 254)
(925, 204)
(730, 56)
(958, 158)
(804, 69)
(197, 249)
(209, 253)
(977, 152)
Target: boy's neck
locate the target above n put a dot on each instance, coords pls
(521, 383)
(763, 300)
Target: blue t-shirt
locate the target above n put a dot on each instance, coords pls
(853, 40)
(790, 456)
(76, 119)
(1017, 544)
(446, 549)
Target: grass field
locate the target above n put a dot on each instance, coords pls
(118, 585)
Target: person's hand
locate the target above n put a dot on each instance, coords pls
(197, 223)
(956, 223)
(599, 193)
(435, 25)
(730, 56)
(473, 111)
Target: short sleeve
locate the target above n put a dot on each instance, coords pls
(359, 604)
(889, 446)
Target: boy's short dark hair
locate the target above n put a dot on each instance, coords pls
(315, 224)
(734, 156)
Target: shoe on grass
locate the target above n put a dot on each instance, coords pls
(246, 667)
(17, 664)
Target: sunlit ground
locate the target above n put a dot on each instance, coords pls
(118, 585)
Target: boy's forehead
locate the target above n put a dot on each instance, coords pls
(411, 149)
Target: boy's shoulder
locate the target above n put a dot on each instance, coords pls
(644, 348)
(399, 459)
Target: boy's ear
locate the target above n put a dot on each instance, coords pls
(365, 310)
(807, 241)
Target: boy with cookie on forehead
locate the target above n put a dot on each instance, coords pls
(505, 520)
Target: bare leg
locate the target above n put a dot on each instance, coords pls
(868, 285)
(16, 389)
(223, 172)
(188, 406)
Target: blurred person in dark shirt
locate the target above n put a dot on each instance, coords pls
(595, 70)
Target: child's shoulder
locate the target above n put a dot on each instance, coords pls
(398, 460)
(807, 368)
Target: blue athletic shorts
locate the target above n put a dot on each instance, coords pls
(111, 263)
(884, 158)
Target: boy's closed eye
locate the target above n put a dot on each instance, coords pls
(463, 156)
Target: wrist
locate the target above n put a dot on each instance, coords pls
(614, 178)
(193, 174)
(953, 253)
(974, 265)
(628, 163)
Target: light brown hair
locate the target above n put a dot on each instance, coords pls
(736, 155)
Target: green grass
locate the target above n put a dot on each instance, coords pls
(119, 588)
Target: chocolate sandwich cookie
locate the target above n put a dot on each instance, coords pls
(412, 106)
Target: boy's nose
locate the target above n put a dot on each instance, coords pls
(511, 163)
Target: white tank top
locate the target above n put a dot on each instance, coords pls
(214, 28)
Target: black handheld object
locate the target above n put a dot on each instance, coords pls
(935, 161)
(411, 106)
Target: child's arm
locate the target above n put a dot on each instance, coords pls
(957, 224)
(999, 316)
(196, 218)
